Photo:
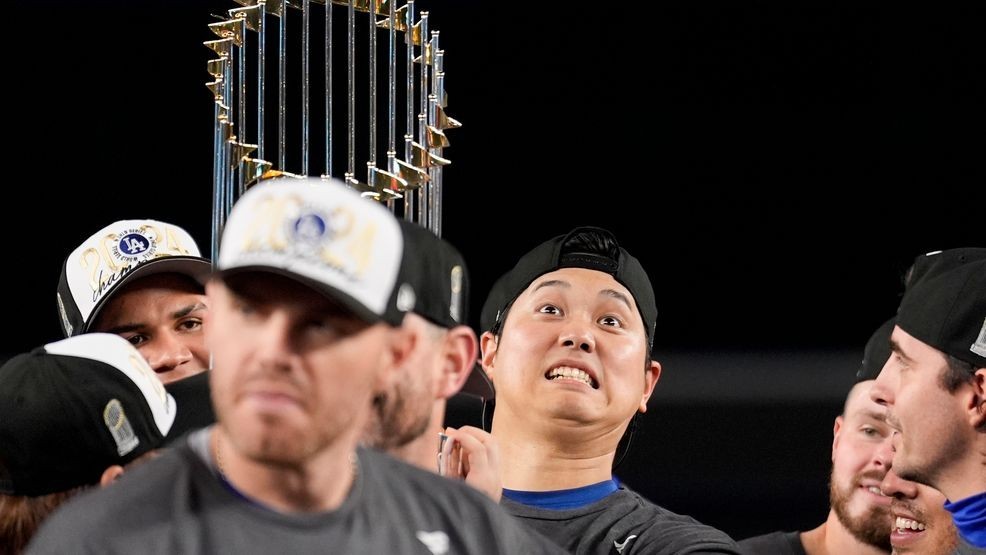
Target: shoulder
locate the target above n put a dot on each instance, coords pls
(782, 543)
(627, 522)
(407, 494)
(137, 501)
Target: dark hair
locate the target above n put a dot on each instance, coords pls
(957, 373)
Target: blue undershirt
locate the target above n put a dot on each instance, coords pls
(562, 499)
(969, 515)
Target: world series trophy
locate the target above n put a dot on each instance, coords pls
(410, 183)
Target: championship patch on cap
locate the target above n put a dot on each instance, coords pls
(562, 252)
(323, 234)
(946, 307)
(71, 409)
(116, 255)
(437, 273)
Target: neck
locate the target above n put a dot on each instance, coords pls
(558, 457)
(423, 450)
(320, 483)
(966, 477)
(832, 538)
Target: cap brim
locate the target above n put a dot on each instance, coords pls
(192, 266)
(332, 293)
(479, 384)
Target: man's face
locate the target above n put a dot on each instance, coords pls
(573, 350)
(402, 413)
(921, 523)
(162, 316)
(929, 418)
(860, 452)
(293, 372)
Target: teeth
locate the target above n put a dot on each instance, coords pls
(908, 524)
(570, 373)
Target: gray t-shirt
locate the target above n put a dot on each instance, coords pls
(177, 504)
(623, 523)
(774, 543)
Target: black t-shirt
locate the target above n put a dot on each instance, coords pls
(177, 504)
(623, 523)
(774, 543)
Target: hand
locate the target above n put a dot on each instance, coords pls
(473, 455)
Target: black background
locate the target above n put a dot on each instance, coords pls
(775, 169)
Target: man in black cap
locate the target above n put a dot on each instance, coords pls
(934, 385)
(72, 414)
(407, 419)
(567, 343)
(304, 327)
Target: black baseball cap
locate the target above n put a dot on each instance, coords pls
(440, 280)
(945, 307)
(876, 353)
(70, 409)
(553, 255)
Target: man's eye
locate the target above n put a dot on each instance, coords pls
(190, 325)
(611, 321)
(137, 340)
(549, 309)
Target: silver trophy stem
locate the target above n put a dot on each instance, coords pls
(241, 70)
(305, 54)
(438, 83)
(241, 111)
(261, 65)
(423, 199)
(351, 89)
(392, 82)
(409, 198)
(328, 88)
(422, 123)
(217, 180)
(373, 84)
(282, 79)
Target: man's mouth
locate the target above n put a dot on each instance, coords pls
(570, 373)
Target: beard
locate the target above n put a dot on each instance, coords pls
(871, 528)
(399, 417)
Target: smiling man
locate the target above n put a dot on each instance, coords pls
(859, 518)
(568, 340)
(921, 523)
(934, 386)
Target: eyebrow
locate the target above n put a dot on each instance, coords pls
(895, 348)
(552, 283)
(611, 293)
(870, 413)
(134, 326)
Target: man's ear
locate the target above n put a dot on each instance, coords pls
(458, 358)
(977, 406)
(488, 344)
(651, 376)
(836, 434)
(110, 475)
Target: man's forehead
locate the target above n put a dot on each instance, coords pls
(860, 405)
(569, 278)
